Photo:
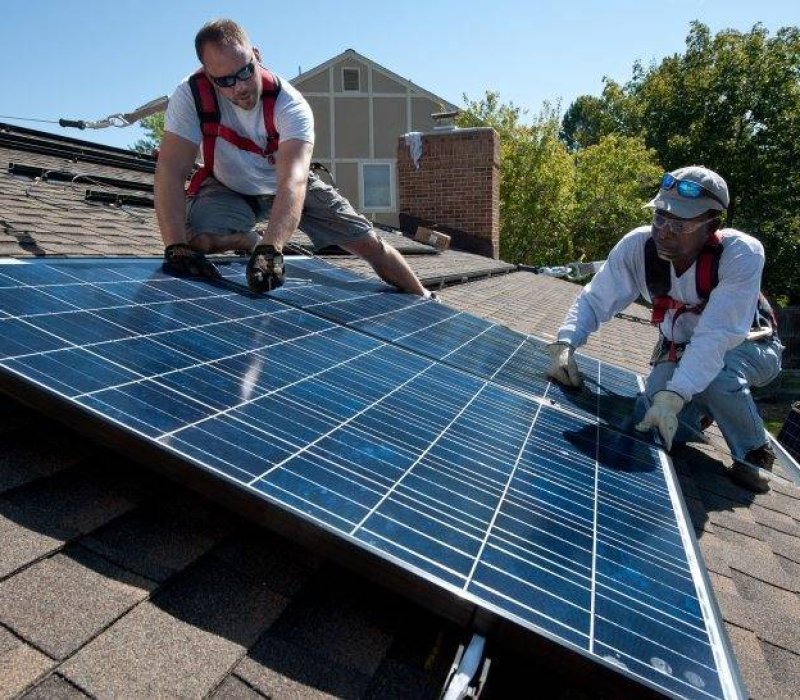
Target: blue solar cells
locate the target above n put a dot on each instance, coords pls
(420, 433)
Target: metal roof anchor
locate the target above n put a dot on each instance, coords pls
(461, 681)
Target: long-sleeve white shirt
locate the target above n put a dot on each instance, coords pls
(723, 324)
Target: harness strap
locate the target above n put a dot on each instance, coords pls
(658, 278)
(207, 106)
(657, 275)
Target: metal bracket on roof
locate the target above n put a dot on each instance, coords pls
(574, 271)
(469, 671)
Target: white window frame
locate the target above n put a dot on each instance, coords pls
(357, 70)
(391, 164)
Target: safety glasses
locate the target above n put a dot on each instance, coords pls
(242, 74)
(678, 227)
(689, 189)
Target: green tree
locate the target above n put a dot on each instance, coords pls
(614, 179)
(730, 102)
(154, 125)
(537, 181)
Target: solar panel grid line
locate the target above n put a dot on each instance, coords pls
(677, 649)
(512, 539)
(440, 503)
(266, 394)
(26, 320)
(690, 636)
(438, 517)
(558, 571)
(537, 613)
(344, 423)
(657, 607)
(415, 559)
(655, 514)
(654, 556)
(199, 363)
(417, 460)
(549, 592)
(502, 497)
(636, 522)
(595, 501)
(730, 678)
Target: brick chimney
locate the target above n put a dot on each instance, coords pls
(456, 188)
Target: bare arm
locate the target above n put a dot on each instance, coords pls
(292, 164)
(175, 162)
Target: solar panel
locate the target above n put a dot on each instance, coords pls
(424, 440)
(789, 435)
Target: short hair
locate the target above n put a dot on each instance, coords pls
(224, 32)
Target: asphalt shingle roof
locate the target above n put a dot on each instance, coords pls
(115, 582)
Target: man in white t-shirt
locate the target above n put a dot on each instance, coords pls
(710, 352)
(248, 183)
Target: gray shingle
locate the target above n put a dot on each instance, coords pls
(76, 501)
(161, 538)
(281, 669)
(234, 688)
(338, 606)
(54, 687)
(20, 664)
(62, 602)
(25, 456)
(23, 544)
(183, 642)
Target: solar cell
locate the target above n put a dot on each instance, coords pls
(426, 438)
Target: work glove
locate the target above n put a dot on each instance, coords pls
(181, 260)
(663, 414)
(563, 367)
(265, 269)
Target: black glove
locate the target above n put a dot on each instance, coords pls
(181, 260)
(265, 269)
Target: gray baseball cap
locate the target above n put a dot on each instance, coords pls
(678, 199)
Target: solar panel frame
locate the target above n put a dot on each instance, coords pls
(450, 601)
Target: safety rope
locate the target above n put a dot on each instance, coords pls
(28, 119)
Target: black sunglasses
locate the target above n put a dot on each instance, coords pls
(245, 73)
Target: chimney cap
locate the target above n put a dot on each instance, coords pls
(437, 116)
(445, 121)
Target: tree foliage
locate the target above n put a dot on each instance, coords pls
(730, 102)
(614, 178)
(154, 125)
(555, 206)
(537, 181)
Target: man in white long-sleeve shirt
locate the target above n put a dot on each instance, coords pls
(711, 350)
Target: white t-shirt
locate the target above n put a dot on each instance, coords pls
(242, 171)
(724, 323)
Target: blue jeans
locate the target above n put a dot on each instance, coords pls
(727, 399)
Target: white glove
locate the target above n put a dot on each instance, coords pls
(663, 414)
(562, 365)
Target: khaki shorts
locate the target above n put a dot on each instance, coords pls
(327, 218)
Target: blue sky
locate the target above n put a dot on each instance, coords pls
(84, 59)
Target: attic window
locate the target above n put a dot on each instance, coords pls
(351, 79)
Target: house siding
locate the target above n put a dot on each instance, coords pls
(353, 128)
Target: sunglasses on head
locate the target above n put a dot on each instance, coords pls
(242, 74)
(689, 189)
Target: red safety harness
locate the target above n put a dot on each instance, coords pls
(657, 276)
(207, 106)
